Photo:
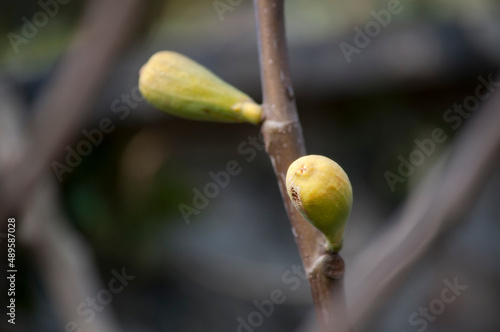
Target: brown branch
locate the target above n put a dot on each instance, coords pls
(441, 200)
(284, 143)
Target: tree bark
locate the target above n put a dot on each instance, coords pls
(285, 143)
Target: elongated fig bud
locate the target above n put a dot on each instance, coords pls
(179, 86)
(320, 189)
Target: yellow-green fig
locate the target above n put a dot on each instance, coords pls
(179, 86)
(321, 191)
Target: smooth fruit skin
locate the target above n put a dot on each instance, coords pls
(179, 86)
(321, 191)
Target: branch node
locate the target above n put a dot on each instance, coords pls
(333, 265)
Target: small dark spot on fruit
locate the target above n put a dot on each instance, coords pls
(296, 197)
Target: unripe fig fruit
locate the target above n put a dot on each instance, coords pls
(321, 191)
(179, 86)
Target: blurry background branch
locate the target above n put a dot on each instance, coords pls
(27, 187)
(60, 253)
(62, 107)
(440, 200)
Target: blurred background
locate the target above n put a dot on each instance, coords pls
(121, 202)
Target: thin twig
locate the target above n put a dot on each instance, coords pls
(284, 143)
(440, 201)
